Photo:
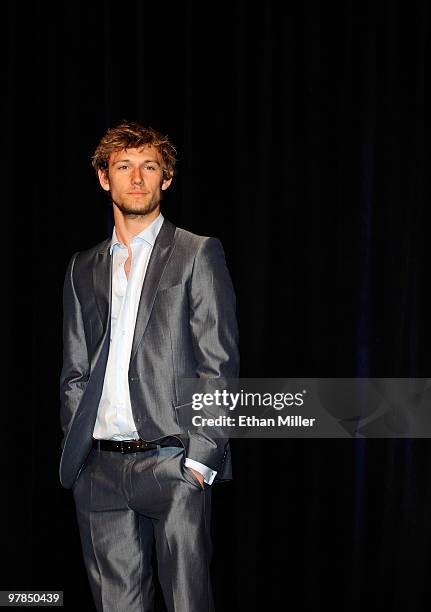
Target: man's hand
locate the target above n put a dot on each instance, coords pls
(198, 475)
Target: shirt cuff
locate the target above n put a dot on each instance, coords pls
(206, 472)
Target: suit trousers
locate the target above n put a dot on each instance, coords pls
(125, 504)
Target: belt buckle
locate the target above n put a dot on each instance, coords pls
(128, 447)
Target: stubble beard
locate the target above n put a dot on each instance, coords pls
(135, 212)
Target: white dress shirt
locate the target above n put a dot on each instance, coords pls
(114, 416)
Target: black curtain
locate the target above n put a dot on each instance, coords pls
(303, 138)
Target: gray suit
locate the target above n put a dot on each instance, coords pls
(186, 327)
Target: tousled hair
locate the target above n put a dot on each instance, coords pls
(133, 135)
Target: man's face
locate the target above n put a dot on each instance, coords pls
(135, 180)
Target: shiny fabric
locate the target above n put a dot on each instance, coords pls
(114, 416)
(125, 503)
(185, 327)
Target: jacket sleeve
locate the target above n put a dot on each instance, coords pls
(76, 369)
(214, 336)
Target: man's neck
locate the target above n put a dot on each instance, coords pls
(128, 226)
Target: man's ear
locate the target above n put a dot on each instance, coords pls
(166, 183)
(103, 179)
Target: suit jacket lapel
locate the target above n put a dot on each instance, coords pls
(159, 258)
(102, 278)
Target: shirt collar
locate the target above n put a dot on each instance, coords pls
(149, 234)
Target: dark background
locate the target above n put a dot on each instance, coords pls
(303, 137)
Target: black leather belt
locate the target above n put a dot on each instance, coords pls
(134, 446)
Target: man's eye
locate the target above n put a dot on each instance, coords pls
(150, 167)
(124, 167)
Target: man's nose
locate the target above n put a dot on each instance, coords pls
(136, 176)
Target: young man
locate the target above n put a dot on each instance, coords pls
(142, 310)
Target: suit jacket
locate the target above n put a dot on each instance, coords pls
(186, 327)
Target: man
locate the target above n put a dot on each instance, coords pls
(143, 310)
